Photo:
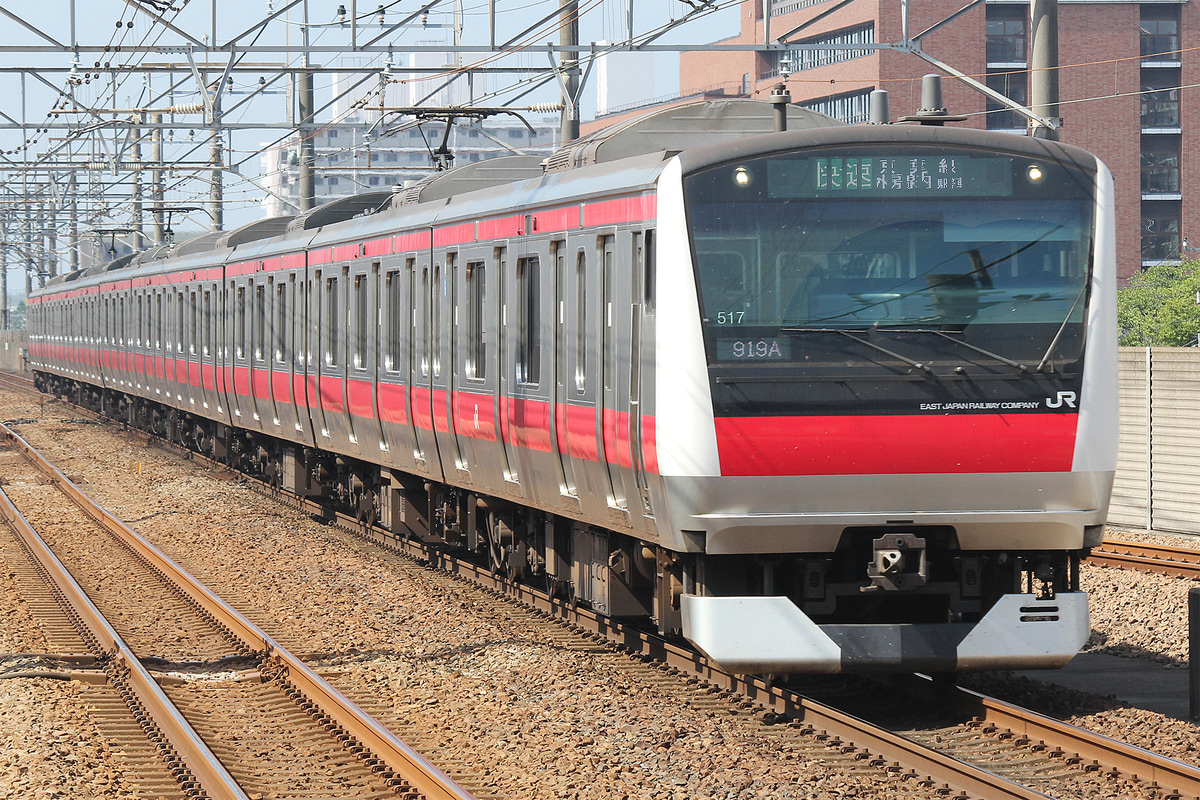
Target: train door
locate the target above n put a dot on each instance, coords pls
(527, 325)
(642, 282)
(261, 395)
(301, 352)
(211, 361)
(425, 450)
(505, 368)
(317, 368)
(244, 355)
(580, 441)
(360, 363)
(391, 363)
(278, 355)
(610, 369)
(559, 434)
(192, 347)
(445, 350)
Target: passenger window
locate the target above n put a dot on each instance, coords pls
(239, 323)
(528, 335)
(395, 321)
(360, 321)
(260, 322)
(282, 323)
(476, 322)
(332, 323)
(581, 300)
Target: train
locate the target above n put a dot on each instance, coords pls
(833, 398)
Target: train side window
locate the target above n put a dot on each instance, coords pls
(425, 322)
(436, 318)
(360, 321)
(281, 322)
(332, 329)
(581, 299)
(260, 322)
(239, 323)
(394, 330)
(194, 333)
(476, 322)
(159, 331)
(301, 341)
(528, 308)
(180, 320)
(208, 322)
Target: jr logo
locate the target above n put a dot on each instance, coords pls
(1064, 398)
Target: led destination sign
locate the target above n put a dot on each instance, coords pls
(891, 177)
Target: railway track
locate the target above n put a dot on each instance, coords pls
(250, 719)
(984, 748)
(1182, 562)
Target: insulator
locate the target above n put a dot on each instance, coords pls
(545, 108)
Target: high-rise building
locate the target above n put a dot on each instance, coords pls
(1125, 77)
(353, 157)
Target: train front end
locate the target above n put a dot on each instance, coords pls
(887, 419)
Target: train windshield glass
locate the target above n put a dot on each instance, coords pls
(991, 248)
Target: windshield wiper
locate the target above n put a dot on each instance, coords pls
(1007, 361)
(872, 345)
(1061, 328)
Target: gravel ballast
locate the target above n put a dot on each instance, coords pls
(541, 718)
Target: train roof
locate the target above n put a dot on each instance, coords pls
(701, 133)
(677, 128)
(883, 135)
(340, 210)
(469, 177)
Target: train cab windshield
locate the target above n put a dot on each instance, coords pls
(992, 250)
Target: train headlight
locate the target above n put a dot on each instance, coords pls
(741, 176)
(1034, 174)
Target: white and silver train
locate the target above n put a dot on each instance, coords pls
(829, 399)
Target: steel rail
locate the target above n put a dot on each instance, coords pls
(858, 734)
(938, 767)
(202, 764)
(1166, 772)
(405, 762)
(1181, 562)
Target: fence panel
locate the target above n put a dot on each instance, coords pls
(1157, 484)
(1131, 486)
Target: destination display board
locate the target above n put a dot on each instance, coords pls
(891, 176)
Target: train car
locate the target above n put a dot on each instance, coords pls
(835, 398)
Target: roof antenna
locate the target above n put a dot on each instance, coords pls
(780, 99)
(932, 112)
(878, 114)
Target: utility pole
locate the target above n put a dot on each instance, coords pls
(306, 105)
(156, 191)
(217, 158)
(135, 155)
(3, 273)
(1043, 66)
(73, 207)
(49, 231)
(568, 37)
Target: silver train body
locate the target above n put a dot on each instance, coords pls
(831, 399)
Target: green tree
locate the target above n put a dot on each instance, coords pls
(1159, 306)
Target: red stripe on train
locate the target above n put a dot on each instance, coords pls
(903, 445)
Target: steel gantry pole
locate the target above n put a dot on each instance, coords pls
(1043, 72)
(568, 37)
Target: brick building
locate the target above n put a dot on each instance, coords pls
(1122, 65)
